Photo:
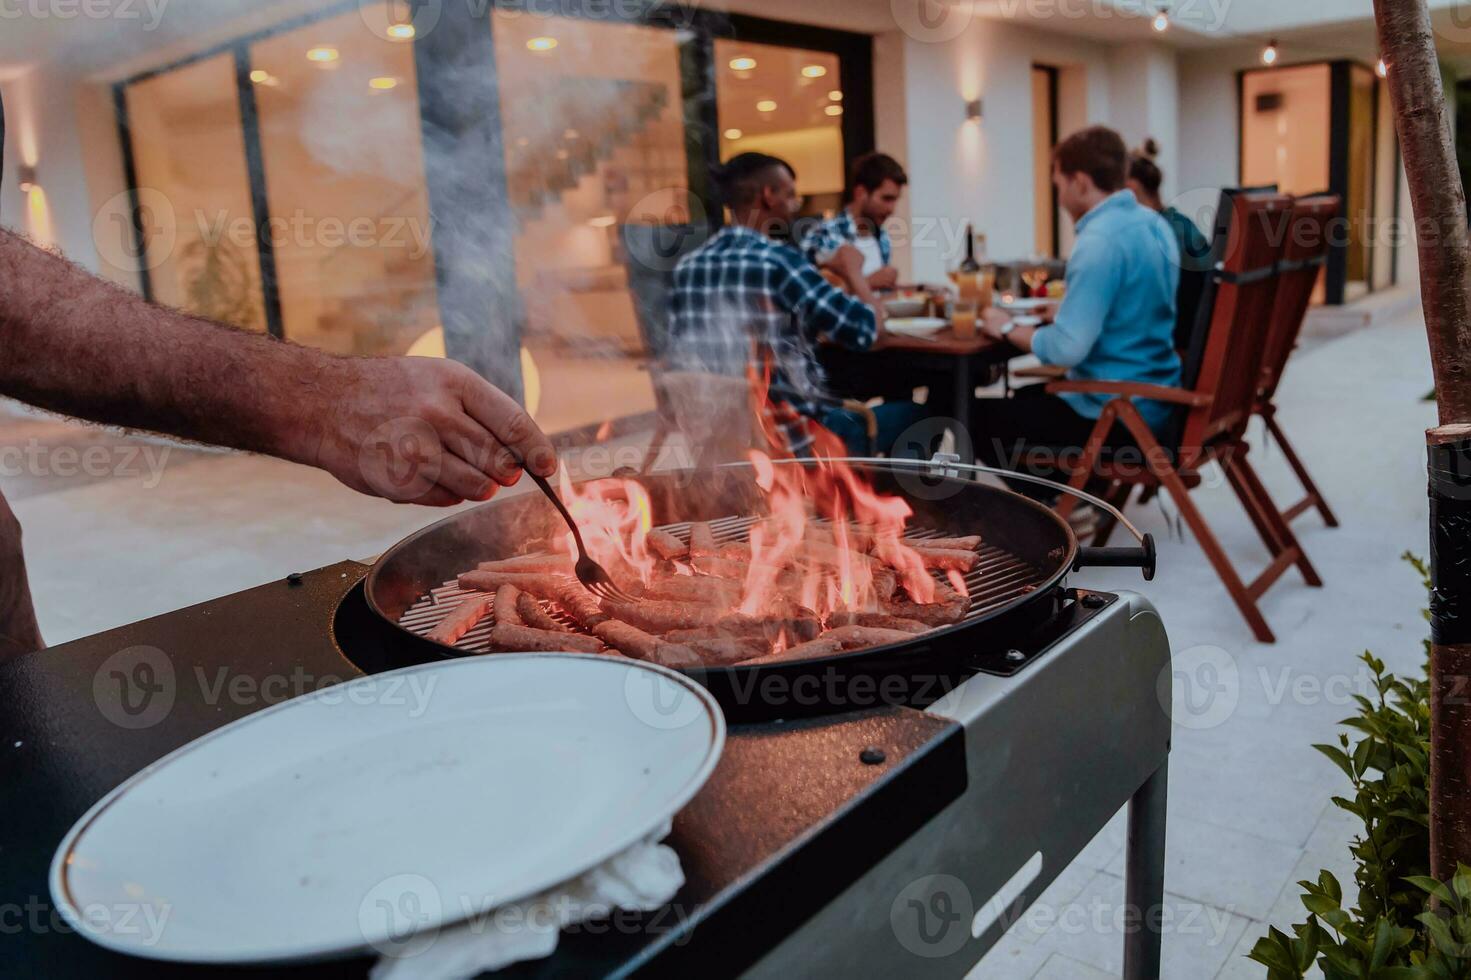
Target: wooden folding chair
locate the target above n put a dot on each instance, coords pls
(1216, 410)
(1305, 255)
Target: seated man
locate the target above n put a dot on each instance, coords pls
(874, 188)
(744, 299)
(1117, 318)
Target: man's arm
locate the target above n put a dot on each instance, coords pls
(824, 310)
(1094, 274)
(411, 429)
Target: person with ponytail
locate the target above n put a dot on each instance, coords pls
(1144, 180)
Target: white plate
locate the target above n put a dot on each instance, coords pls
(1026, 320)
(1029, 303)
(914, 324)
(367, 814)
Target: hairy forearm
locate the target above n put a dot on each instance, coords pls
(75, 344)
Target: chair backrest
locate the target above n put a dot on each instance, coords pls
(1303, 258)
(650, 253)
(1245, 287)
(1192, 326)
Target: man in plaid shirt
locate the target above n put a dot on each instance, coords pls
(744, 300)
(874, 188)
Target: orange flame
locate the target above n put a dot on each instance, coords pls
(615, 517)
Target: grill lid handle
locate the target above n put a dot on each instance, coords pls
(1142, 557)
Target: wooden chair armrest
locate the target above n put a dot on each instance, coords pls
(1131, 389)
(1052, 372)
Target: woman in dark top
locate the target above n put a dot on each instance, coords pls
(1144, 180)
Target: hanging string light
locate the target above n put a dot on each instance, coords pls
(1161, 21)
(1381, 69)
(1269, 53)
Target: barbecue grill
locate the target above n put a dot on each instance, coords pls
(885, 812)
(1026, 553)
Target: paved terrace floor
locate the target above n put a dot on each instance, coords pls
(120, 528)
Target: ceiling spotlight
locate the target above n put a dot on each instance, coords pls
(541, 43)
(733, 134)
(1269, 53)
(834, 110)
(322, 55)
(383, 83)
(523, 141)
(603, 221)
(813, 71)
(259, 76)
(401, 32)
(836, 95)
(766, 105)
(742, 64)
(1161, 22)
(1381, 69)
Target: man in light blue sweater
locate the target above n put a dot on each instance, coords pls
(1117, 318)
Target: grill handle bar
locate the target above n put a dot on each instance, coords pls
(948, 465)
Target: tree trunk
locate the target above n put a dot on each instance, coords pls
(1407, 44)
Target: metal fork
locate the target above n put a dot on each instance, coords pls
(594, 577)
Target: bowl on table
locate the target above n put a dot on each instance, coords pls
(905, 306)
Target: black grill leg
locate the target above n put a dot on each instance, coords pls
(1144, 877)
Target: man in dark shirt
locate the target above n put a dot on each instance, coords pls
(745, 300)
(74, 344)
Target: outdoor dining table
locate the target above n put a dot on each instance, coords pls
(912, 361)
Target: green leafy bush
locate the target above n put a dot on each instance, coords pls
(1405, 924)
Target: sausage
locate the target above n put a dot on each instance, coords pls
(968, 543)
(878, 619)
(461, 620)
(823, 646)
(540, 584)
(534, 615)
(694, 588)
(523, 638)
(530, 565)
(951, 609)
(579, 603)
(627, 639)
(661, 617)
(702, 540)
(666, 545)
(505, 606)
(857, 637)
(724, 651)
(947, 558)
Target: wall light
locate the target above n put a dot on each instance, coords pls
(541, 43)
(973, 111)
(1269, 53)
(322, 55)
(814, 71)
(742, 64)
(26, 175)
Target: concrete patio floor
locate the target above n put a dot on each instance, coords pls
(147, 527)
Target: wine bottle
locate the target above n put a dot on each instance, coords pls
(970, 264)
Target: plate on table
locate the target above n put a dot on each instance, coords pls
(915, 324)
(1027, 320)
(366, 815)
(1026, 303)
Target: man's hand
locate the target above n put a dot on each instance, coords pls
(422, 430)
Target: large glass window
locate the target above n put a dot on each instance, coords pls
(349, 210)
(194, 193)
(787, 102)
(593, 124)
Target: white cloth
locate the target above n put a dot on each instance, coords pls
(873, 256)
(644, 877)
